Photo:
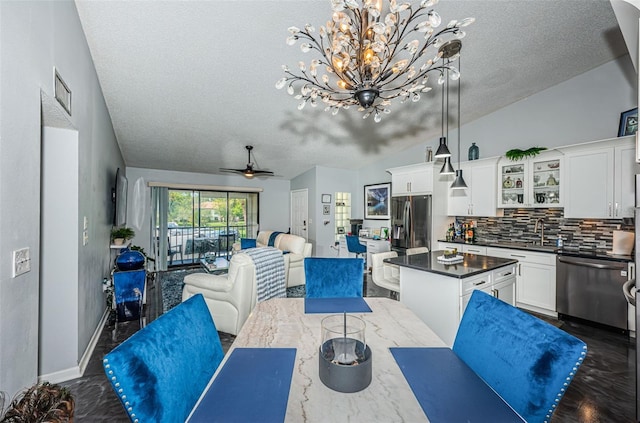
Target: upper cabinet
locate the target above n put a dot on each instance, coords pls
(601, 179)
(533, 182)
(412, 180)
(479, 199)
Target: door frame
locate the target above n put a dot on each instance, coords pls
(304, 211)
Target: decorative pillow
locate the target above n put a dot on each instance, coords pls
(247, 243)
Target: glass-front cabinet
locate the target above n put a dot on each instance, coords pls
(535, 182)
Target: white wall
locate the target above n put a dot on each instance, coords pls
(36, 36)
(274, 198)
(59, 232)
(325, 180)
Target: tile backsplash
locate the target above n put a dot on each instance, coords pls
(519, 224)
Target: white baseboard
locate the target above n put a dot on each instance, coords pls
(78, 371)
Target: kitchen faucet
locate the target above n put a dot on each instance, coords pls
(535, 230)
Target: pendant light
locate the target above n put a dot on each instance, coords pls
(459, 182)
(443, 150)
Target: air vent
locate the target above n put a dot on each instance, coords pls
(63, 93)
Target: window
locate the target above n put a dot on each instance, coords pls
(208, 223)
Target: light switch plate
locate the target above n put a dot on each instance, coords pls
(21, 262)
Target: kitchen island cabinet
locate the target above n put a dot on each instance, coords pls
(438, 293)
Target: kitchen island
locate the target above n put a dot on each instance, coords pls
(439, 292)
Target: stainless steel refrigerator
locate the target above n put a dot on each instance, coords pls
(411, 222)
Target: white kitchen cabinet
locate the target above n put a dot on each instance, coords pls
(625, 169)
(464, 248)
(600, 178)
(412, 180)
(440, 300)
(502, 285)
(530, 183)
(479, 198)
(535, 279)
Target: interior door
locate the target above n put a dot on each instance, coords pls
(300, 213)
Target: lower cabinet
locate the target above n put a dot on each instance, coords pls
(464, 248)
(501, 283)
(440, 300)
(535, 279)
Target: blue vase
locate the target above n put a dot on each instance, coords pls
(474, 152)
(130, 260)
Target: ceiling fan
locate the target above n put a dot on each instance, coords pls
(249, 171)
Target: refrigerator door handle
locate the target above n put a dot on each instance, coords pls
(407, 222)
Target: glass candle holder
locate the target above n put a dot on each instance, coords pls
(345, 358)
(343, 339)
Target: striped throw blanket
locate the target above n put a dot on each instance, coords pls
(270, 270)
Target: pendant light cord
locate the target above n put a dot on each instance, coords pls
(459, 85)
(442, 120)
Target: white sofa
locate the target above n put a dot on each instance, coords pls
(229, 297)
(296, 247)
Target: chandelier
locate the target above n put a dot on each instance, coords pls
(369, 56)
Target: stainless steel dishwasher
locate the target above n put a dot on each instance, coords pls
(591, 289)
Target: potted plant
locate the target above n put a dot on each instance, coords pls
(43, 402)
(120, 235)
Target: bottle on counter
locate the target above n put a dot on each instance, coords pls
(559, 241)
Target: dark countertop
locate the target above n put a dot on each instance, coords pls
(473, 264)
(568, 250)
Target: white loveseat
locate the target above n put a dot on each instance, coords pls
(230, 297)
(296, 247)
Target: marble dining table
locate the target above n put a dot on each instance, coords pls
(282, 322)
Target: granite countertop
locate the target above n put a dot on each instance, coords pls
(567, 250)
(472, 264)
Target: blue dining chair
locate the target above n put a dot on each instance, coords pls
(527, 361)
(354, 246)
(161, 370)
(333, 277)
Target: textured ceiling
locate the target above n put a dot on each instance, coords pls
(189, 83)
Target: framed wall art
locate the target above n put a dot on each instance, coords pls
(326, 209)
(326, 198)
(628, 122)
(376, 201)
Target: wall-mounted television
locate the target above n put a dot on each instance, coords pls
(119, 198)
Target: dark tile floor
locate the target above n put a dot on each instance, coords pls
(602, 391)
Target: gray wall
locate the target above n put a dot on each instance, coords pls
(36, 36)
(274, 198)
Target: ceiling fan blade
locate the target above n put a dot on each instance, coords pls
(263, 172)
(232, 170)
(249, 171)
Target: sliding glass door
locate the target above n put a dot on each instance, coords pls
(206, 223)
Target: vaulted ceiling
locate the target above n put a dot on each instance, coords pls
(189, 83)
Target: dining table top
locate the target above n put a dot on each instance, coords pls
(282, 323)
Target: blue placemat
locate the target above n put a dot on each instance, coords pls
(448, 390)
(253, 386)
(336, 305)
